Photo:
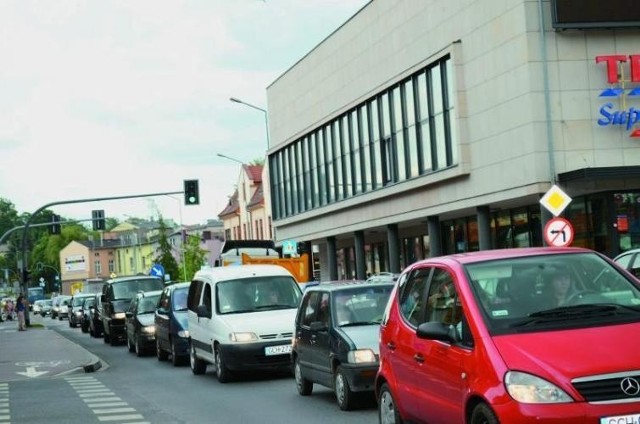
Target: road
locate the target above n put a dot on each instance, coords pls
(128, 389)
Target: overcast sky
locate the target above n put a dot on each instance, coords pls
(104, 98)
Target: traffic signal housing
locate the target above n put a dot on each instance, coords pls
(191, 192)
(97, 218)
(54, 228)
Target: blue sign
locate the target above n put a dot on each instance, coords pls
(157, 270)
(289, 247)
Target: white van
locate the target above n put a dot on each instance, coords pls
(241, 318)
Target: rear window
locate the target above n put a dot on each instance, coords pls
(127, 289)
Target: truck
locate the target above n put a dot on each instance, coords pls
(33, 294)
(242, 252)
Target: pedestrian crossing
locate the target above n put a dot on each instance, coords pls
(5, 412)
(107, 407)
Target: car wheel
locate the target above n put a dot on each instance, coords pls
(198, 366)
(138, 348)
(223, 373)
(344, 395)
(483, 414)
(112, 340)
(305, 387)
(161, 354)
(387, 410)
(176, 359)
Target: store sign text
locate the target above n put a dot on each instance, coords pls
(609, 114)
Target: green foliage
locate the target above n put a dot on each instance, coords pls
(194, 256)
(165, 256)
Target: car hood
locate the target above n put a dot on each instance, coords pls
(279, 323)
(364, 336)
(571, 353)
(146, 319)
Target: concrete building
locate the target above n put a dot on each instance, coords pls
(421, 128)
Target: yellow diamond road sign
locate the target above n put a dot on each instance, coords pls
(555, 200)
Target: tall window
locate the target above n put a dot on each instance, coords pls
(97, 266)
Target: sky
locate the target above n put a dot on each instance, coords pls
(102, 99)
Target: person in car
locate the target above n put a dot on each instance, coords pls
(559, 287)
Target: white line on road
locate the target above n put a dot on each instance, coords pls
(121, 417)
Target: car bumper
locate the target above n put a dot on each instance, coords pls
(117, 330)
(361, 378)
(569, 413)
(251, 356)
(181, 345)
(147, 341)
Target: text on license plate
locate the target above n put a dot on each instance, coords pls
(621, 419)
(277, 350)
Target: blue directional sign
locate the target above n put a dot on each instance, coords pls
(289, 247)
(157, 270)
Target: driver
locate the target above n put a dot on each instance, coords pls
(560, 287)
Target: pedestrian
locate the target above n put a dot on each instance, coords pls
(21, 307)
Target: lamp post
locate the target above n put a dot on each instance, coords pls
(266, 121)
(230, 158)
(250, 219)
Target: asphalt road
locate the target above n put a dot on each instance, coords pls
(128, 389)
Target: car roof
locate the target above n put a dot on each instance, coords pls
(489, 255)
(149, 293)
(627, 252)
(340, 285)
(130, 278)
(233, 272)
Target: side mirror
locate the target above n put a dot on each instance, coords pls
(128, 314)
(203, 311)
(435, 330)
(162, 311)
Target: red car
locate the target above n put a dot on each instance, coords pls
(533, 335)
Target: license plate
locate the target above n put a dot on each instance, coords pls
(621, 419)
(277, 350)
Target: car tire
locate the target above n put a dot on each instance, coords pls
(345, 397)
(176, 360)
(139, 350)
(112, 340)
(387, 409)
(305, 387)
(223, 373)
(107, 337)
(160, 354)
(483, 414)
(198, 366)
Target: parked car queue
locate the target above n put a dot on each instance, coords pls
(482, 337)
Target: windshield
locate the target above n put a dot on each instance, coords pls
(148, 304)
(555, 291)
(78, 301)
(257, 294)
(361, 305)
(123, 290)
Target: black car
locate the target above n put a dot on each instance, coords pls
(76, 313)
(88, 304)
(117, 294)
(336, 338)
(172, 334)
(96, 328)
(140, 328)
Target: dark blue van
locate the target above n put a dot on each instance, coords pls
(172, 334)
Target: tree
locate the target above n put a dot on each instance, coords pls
(194, 256)
(165, 255)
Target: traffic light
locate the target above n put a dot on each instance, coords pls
(303, 247)
(191, 194)
(54, 228)
(97, 217)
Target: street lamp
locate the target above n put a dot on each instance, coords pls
(230, 158)
(266, 121)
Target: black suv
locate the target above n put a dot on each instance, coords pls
(76, 313)
(117, 294)
(336, 338)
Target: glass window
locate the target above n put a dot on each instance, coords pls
(356, 152)
(345, 142)
(330, 165)
(398, 128)
(337, 146)
(366, 148)
(412, 305)
(321, 173)
(376, 144)
(309, 308)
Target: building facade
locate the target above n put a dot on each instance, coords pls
(421, 128)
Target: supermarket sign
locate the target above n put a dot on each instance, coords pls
(620, 76)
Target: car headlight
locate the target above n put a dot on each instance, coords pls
(184, 334)
(243, 337)
(361, 356)
(150, 329)
(527, 388)
(119, 315)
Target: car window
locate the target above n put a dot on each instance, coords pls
(148, 304)
(261, 293)
(308, 308)
(412, 305)
(180, 299)
(323, 309)
(361, 304)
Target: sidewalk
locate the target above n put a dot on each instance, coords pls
(40, 352)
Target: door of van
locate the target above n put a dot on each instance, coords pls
(199, 327)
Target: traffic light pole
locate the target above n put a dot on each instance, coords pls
(68, 202)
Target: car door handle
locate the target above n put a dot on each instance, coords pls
(418, 358)
(391, 345)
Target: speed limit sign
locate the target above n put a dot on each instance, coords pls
(558, 232)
